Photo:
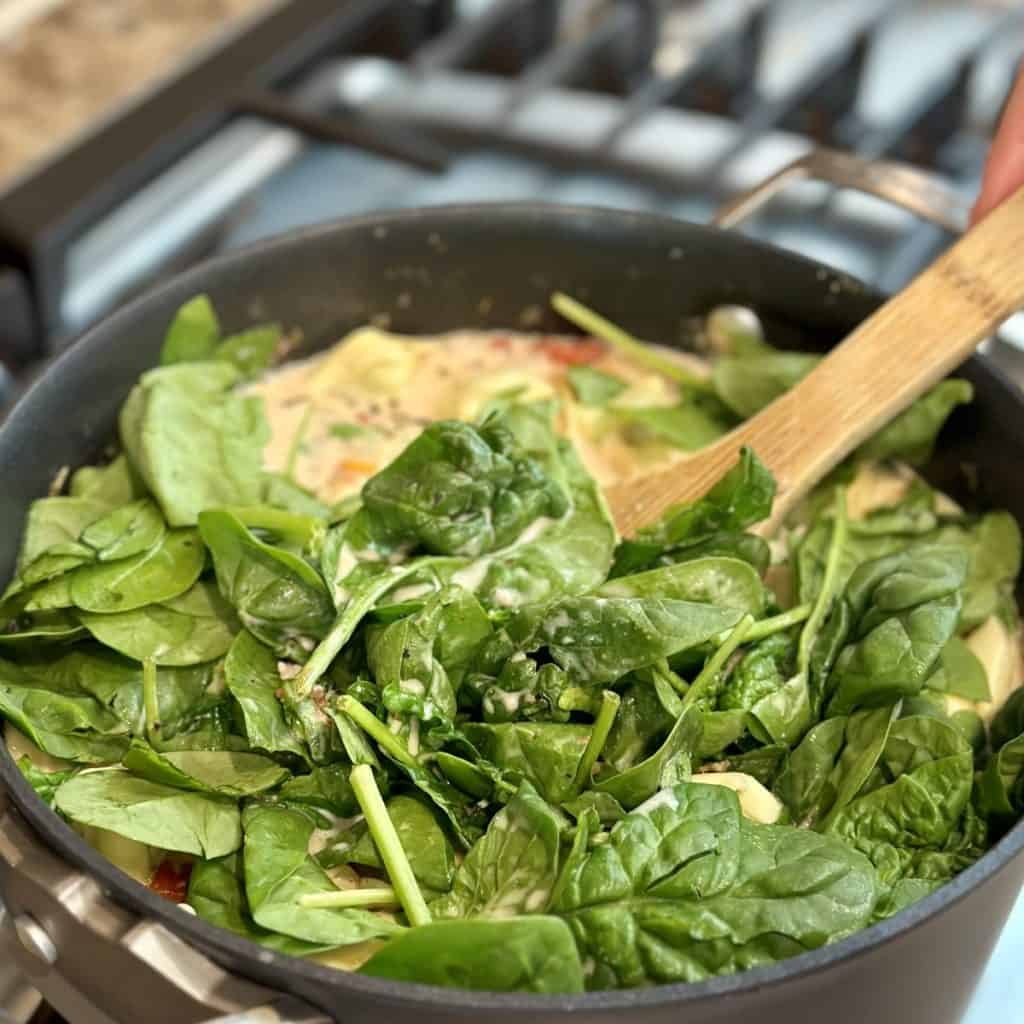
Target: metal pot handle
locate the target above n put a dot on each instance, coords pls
(899, 184)
(69, 939)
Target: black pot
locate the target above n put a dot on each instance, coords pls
(495, 266)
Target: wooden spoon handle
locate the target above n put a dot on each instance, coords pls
(891, 359)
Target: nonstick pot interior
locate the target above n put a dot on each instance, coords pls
(495, 266)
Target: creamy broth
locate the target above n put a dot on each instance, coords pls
(339, 417)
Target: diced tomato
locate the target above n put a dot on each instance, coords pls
(171, 881)
(572, 353)
(501, 343)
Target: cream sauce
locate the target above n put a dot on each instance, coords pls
(339, 417)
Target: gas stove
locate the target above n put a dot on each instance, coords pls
(320, 109)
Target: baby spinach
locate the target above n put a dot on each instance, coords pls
(460, 490)
(741, 498)
(45, 783)
(960, 672)
(224, 772)
(159, 573)
(512, 868)
(279, 597)
(724, 582)
(148, 812)
(771, 891)
(128, 530)
(217, 893)
(195, 442)
(279, 872)
(193, 334)
(670, 763)
(600, 639)
(529, 954)
(325, 789)
(251, 674)
(594, 387)
(197, 626)
(690, 425)
(748, 383)
(544, 753)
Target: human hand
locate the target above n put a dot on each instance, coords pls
(1004, 169)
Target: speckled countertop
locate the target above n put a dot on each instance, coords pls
(74, 64)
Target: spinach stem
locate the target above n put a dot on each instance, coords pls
(296, 446)
(377, 730)
(823, 602)
(338, 635)
(151, 702)
(598, 737)
(709, 673)
(595, 324)
(384, 896)
(663, 670)
(777, 623)
(388, 845)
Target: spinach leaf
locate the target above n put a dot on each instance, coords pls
(994, 547)
(29, 632)
(594, 387)
(427, 848)
(529, 954)
(960, 672)
(113, 485)
(599, 639)
(128, 530)
(251, 351)
(325, 789)
(460, 490)
(216, 892)
(685, 889)
(748, 383)
(410, 658)
(194, 627)
(43, 782)
(832, 763)
(158, 574)
(681, 844)
(195, 442)
(692, 424)
(1008, 722)
(279, 872)
(223, 772)
(639, 727)
(605, 806)
(250, 671)
(278, 596)
(724, 582)
(550, 559)
(901, 825)
(183, 694)
(741, 498)
(162, 816)
(59, 717)
(544, 753)
(193, 334)
(758, 674)
(911, 436)
(1001, 785)
(666, 766)
(512, 868)
(905, 607)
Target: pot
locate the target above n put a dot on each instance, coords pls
(86, 932)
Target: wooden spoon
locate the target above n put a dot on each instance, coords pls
(891, 359)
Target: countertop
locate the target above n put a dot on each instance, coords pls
(66, 64)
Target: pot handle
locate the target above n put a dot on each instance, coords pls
(53, 912)
(902, 185)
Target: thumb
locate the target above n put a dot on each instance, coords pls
(1004, 169)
